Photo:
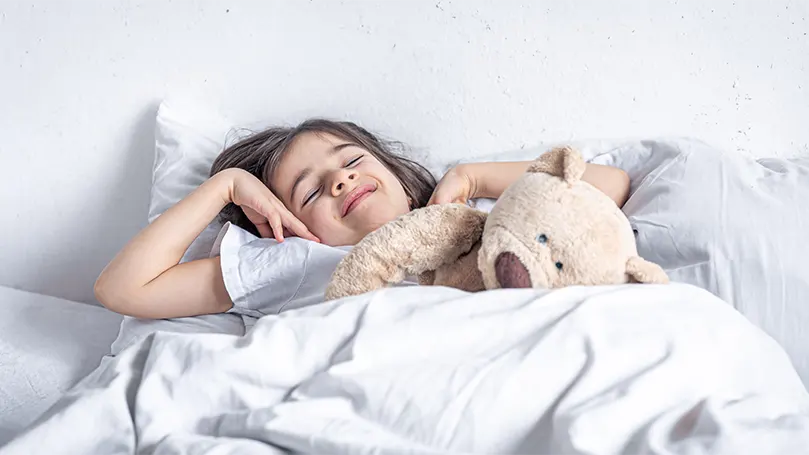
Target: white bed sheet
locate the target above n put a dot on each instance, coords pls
(47, 344)
(629, 369)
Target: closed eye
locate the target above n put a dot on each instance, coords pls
(311, 195)
(353, 161)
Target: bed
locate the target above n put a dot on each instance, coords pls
(697, 210)
(481, 82)
(712, 363)
(715, 221)
(47, 345)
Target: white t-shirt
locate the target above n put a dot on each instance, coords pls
(263, 276)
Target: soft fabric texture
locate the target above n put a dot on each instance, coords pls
(133, 330)
(263, 276)
(729, 224)
(420, 241)
(188, 137)
(684, 193)
(47, 345)
(609, 370)
(561, 230)
(548, 229)
(722, 221)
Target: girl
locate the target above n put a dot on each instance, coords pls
(325, 181)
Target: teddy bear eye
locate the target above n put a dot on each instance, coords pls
(542, 238)
(559, 265)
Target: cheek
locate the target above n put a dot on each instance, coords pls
(320, 221)
(395, 189)
(317, 219)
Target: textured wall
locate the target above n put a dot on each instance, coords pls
(81, 81)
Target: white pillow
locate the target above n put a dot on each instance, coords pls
(188, 138)
(730, 224)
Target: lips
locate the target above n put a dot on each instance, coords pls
(355, 197)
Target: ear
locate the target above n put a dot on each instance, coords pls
(643, 271)
(562, 162)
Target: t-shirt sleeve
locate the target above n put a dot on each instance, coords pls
(263, 276)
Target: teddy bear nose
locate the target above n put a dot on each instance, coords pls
(510, 271)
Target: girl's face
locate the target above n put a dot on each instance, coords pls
(337, 189)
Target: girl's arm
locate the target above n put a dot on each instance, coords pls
(489, 180)
(145, 280)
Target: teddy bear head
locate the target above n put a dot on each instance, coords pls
(551, 229)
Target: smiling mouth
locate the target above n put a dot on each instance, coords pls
(355, 197)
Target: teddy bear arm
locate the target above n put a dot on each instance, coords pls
(644, 271)
(414, 244)
(442, 238)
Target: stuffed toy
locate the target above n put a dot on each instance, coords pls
(549, 229)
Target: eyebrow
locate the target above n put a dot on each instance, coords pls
(305, 173)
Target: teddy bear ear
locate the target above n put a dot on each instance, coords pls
(643, 271)
(564, 162)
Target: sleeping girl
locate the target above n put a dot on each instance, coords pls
(323, 181)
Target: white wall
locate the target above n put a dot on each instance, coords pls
(80, 82)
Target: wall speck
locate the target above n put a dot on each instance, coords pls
(227, 10)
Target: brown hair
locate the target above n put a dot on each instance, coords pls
(260, 153)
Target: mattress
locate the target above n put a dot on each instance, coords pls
(47, 344)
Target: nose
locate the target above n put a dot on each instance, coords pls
(510, 271)
(343, 180)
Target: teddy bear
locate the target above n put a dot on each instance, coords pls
(548, 229)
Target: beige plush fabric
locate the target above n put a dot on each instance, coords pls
(559, 231)
(421, 241)
(548, 229)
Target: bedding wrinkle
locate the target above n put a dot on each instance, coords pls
(619, 387)
(580, 370)
(300, 283)
(345, 350)
(460, 407)
(545, 432)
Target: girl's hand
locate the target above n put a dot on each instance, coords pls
(263, 208)
(457, 186)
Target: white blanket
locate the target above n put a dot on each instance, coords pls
(623, 369)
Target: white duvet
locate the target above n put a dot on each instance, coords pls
(624, 369)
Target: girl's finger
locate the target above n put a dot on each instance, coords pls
(264, 230)
(265, 209)
(439, 198)
(277, 227)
